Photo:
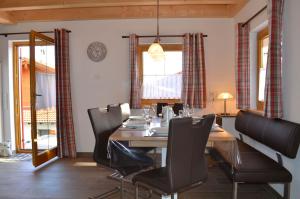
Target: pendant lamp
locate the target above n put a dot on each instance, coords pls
(155, 50)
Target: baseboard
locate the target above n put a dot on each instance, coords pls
(85, 154)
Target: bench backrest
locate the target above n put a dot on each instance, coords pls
(280, 135)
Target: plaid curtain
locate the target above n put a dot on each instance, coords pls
(273, 87)
(65, 129)
(243, 67)
(193, 71)
(136, 85)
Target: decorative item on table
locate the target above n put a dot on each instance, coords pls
(225, 96)
(168, 114)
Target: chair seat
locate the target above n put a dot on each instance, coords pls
(156, 178)
(256, 167)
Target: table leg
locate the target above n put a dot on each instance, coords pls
(163, 164)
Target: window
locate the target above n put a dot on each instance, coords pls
(263, 47)
(161, 80)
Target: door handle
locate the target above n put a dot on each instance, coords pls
(38, 95)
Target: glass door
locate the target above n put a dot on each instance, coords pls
(42, 98)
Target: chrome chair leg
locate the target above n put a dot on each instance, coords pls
(234, 190)
(122, 189)
(287, 191)
(136, 191)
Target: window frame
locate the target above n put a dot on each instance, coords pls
(144, 48)
(263, 34)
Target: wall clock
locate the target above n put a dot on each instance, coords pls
(96, 51)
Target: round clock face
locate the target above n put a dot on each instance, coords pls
(96, 51)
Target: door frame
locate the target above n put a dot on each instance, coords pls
(16, 92)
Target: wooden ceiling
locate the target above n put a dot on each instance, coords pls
(15, 11)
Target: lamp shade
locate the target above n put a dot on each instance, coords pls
(225, 96)
(156, 52)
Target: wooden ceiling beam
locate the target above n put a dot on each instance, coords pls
(235, 8)
(14, 5)
(6, 18)
(123, 12)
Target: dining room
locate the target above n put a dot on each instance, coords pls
(213, 60)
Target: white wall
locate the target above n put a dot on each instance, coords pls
(99, 84)
(291, 71)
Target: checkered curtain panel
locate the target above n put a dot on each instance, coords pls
(64, 117)
(243, 67)
(273, 87)
(136, 86)
(193, 71)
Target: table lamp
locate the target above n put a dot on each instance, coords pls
(225, 96)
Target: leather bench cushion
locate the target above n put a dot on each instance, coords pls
(280, 135)
(256, 167)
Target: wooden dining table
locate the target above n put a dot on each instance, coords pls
(143, 137)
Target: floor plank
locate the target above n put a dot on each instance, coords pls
(80, 178)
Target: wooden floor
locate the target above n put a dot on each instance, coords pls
(80, 178)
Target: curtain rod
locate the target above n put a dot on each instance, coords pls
(144, 36)
(25, 33)
(260, 11)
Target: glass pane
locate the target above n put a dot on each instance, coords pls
(45, 95)
(262, 70)
(162, 80)
(262, 80)
(24, 85)
(265, 49)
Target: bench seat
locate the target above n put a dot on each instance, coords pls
(255, 167)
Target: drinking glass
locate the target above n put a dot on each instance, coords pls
(146, 112)
(154, 109)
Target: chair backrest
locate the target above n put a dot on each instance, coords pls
(116, 116)
(280, 135)
(102, 129)
(177, 107)
(186, 163)
(125, 108)
(159, 107)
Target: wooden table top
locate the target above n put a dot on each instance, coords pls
(142, 138)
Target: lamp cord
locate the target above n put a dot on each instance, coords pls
(157, 21)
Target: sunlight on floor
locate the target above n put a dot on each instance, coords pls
(5, 160)
(85, 164)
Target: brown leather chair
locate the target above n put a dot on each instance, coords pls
(186, 165)
(123, 160)
(177, 107)
(159, 107)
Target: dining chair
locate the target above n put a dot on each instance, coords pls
(114, 155)
(125, 109)
(159, 107)
(116, 110)
(186, 165)
(177, 107)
